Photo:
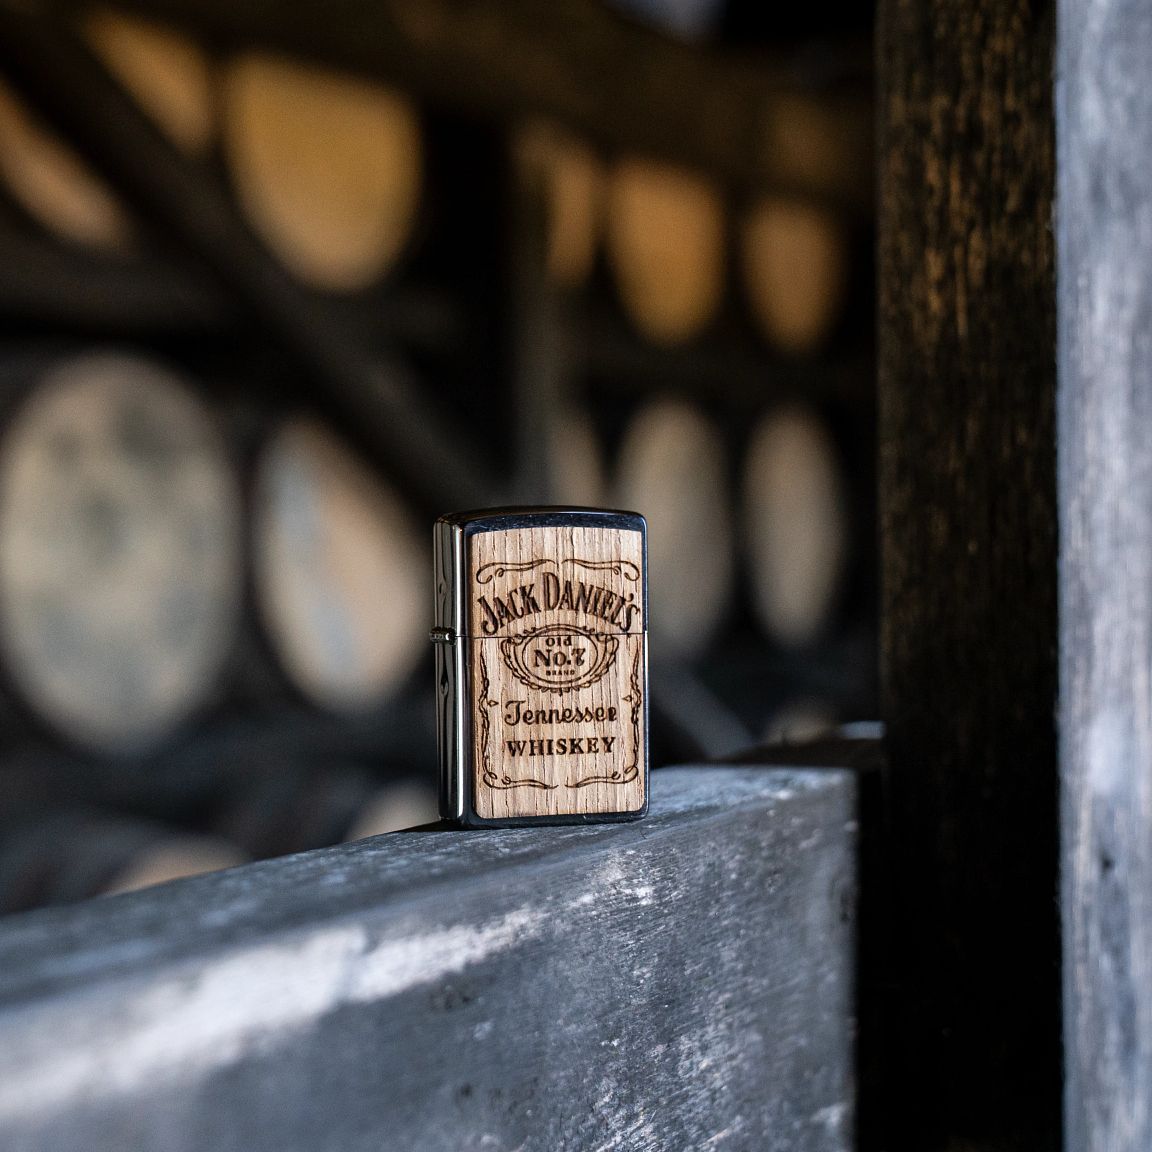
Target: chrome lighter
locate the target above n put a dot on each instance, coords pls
(542, 665)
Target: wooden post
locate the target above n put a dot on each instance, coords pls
(969, 514)
(1104, 239)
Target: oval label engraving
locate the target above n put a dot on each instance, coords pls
(559, 657)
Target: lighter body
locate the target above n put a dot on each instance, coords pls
(541, 646)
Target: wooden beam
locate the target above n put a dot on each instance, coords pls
(968, 513)
(682, 982)
(42, 280)
(1104, 238)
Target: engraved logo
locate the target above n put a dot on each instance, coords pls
(559, 657)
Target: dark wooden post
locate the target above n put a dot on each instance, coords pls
(1104, 238)
(969, 516)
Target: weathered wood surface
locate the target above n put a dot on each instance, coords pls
(968, 509)
(682, 982)
(1104, 239)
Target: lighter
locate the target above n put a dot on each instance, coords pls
(542, 666)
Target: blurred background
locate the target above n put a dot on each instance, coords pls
(279, 283)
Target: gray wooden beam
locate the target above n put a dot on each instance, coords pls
(682, 982)
(1104, 239)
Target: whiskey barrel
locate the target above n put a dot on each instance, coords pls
(672, 468)
(665, 238)
(327, 167)
(404, 804)
(167, 73)
(795, 265)
(341, 574)
(819, 142)
(65, 855)
(120, 567)
(172, 857)
(795, 523)
(53, 184)
(572, 183)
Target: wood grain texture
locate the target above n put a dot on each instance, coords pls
(968, 511)
(558, 665)
(680, 983)
(1104, 239)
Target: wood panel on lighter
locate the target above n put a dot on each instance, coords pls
(556, 627)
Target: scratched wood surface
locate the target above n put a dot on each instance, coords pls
(684, 982)
(558, 670)
(1104, 141)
